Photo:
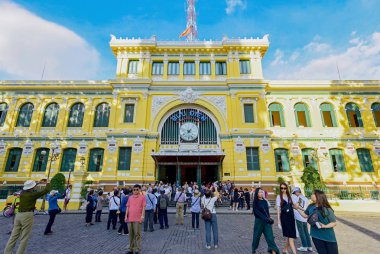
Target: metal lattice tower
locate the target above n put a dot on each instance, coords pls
(192, 20)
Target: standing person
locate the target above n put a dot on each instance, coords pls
(235, 198)
(322, 229)
(99, 206)
(162, 204)
(53, 210)
(156, 192)
(14, 200)
(25, 217)
(151, 202)
(135, 216)
(263, 223)
(180, 199)
(285, 217)
(195, 209)
(241, 198)
(123, 209)
(301, 222)
(67, 197)
(89, 208)
(247, 197)
(114, 206)
(209, 202)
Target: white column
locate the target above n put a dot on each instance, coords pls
(124, 64)
(119, 61)
(256, 67)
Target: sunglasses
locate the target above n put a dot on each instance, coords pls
(135, 189)
(283, 188)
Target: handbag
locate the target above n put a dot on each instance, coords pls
(206, 213)
(313, 217)
(10, 211)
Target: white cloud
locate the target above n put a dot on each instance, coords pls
(233, 4)
(360, 60)
(28, 42)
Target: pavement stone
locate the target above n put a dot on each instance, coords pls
(235, 236)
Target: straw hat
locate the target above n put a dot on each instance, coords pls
(29, 185)
(53, 192)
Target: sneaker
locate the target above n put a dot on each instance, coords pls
(216, 246)
(119, 233)
(302, 249)
(125, 234)
(208, 247)
(310, 249)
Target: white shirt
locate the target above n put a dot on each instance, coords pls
(278, 200)
(209, 203)
(189, 189)
(303, 202)
(114, 203)
(68, 193)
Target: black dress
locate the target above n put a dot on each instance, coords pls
(288, 222)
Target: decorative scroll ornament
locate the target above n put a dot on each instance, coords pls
(112, 145)
(3, 147)
(158, 102)
(239, 145)
(188, 96)
(83, 147)
(219, 101)
(28, 148)
(137, 145)
(265, 145)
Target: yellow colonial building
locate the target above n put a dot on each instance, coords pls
(190, 111)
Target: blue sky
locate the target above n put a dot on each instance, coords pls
(309, 38)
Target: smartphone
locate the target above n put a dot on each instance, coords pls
(318, 225)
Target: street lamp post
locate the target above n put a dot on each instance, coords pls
(53, 157)
(82, 162)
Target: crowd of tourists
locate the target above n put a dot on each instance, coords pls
(148, 205)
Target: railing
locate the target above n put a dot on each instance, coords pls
(349, 193)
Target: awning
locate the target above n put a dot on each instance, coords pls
(211, 158)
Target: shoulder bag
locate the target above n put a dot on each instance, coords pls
(206, 213)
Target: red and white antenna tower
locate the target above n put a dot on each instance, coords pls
(192, 21)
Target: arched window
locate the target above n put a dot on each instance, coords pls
(337, 160)
(328, 115)
(3, 113)
(50, 115)
(40, 160)
(102, 114)
(25, 115)
(365, 161)
(302, 115)
(308, 157)
(281, 157)
(276, 115)
(353, 115)
(13, 161)
(96, 160)
(76, 115)
(68, 159)
(376, 113)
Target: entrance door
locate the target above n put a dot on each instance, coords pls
(168, 174)
(209, 173)
(188, 174)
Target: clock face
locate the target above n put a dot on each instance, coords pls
(188, 131)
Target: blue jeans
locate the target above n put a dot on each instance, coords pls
(304, 233)
(211, 224)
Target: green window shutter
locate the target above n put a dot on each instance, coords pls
(275, 107)
(68, 159)
(76, 115)
(365, 160)
(25, 115)
(339, 160)
(283, 156)
(129, 113)
(308, 122)
(3, 113)
(40, 162)
(125, 154)
(253, 161)
(102, 114)
(248, 113)
(376, 113)
(301, 107)
(359, 118)
(13, 160)
(96, 160)
(50, 115)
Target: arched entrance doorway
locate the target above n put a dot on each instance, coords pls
(189, 148)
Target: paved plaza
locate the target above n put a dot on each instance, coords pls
(356, 234)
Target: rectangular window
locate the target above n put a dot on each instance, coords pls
(41, 160)
(248, 113)
(96, 160)
(68, 159)
(282, 160)
(132, 66)
(221, 68)
(276, 118)
(353, 118)
(301, 115)
(125, 154)
(377, 118)
(327, 119)
(129, 113)
(189, 68)
(173, 68)
(205, 68)
(158, 68)
(253, 161)
(337, 160)
(365, 160)
(13, 161)
(245, 67)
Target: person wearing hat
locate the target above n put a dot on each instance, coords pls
(25, 217)
(195, 209)
(180, 199)
(301, 222)
(53, 210)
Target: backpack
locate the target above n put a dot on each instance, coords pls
(163, 203)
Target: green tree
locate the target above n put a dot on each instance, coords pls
(58, 183)
(280, 180)
(312, 180)
(83, 191)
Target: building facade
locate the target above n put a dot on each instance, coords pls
(190, 111)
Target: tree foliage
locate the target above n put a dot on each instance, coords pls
(312, 180)
(58, 183)
(84, 189)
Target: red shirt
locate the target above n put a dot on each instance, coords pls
(135, 206)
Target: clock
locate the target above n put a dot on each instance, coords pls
(188, 131)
